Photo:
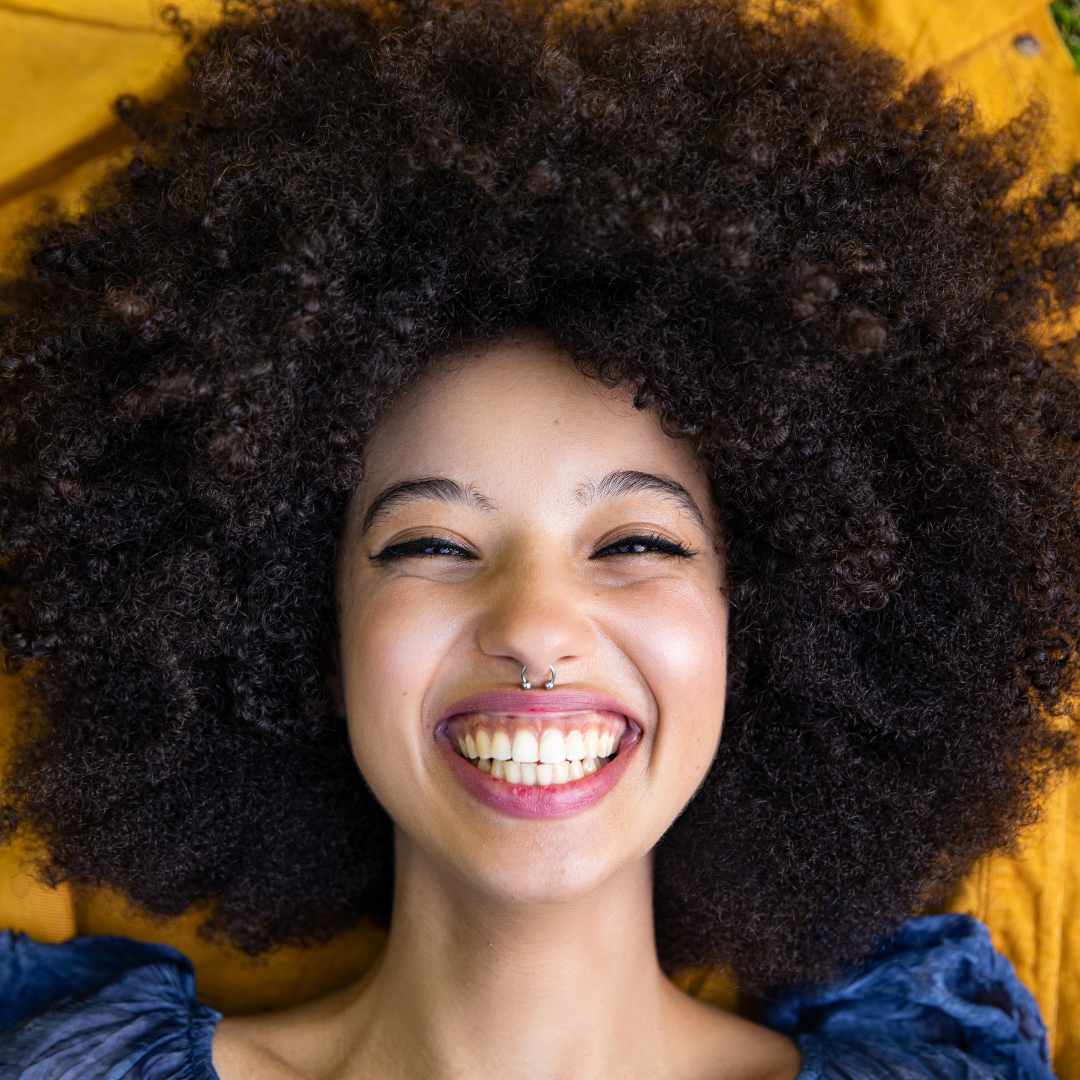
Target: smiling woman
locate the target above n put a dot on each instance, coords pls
(542, 566)
(586, 493)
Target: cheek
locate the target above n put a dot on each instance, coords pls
(389, 643)
(682, 651)
(681, 639)
(688, 651)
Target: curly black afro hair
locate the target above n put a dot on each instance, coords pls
(812, 266)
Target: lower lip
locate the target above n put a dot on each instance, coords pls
(541, 801)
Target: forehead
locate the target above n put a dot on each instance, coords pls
(513, 428)
(511, 402)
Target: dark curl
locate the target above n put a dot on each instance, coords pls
(815, 269)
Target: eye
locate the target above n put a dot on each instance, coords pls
(412, 549)
(416, 548)
(652, 543)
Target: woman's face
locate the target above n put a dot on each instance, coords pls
(530, 438)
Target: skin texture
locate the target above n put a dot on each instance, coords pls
(540, 928)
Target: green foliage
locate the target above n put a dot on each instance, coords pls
(1067, 17)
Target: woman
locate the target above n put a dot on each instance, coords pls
(671, 373)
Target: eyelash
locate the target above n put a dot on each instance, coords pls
(656, 544)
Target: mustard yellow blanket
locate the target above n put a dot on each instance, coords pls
(62, 62)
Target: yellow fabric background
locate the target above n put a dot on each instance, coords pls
(61, 64)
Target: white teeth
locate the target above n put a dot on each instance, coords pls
(552, 747)
(574, 746)
(500, 746)
(483, 744)
(592, 743)
(535, 756)
(528, 772)
(525, 747)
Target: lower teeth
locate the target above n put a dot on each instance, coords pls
(530, 773)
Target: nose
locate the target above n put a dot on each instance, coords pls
(536, 617)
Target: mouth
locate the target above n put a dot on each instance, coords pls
(539, 749)
(523, 769)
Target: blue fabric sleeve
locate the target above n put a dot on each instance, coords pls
(101, 1006)
(934, 1001)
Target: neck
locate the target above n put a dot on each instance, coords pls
(474, 984)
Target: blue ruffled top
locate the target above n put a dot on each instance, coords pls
(935, 1000)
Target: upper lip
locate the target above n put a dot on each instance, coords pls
(522, 701)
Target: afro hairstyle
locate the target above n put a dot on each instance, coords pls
(824, 273)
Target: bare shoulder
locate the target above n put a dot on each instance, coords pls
(787, 1066)
(773, 1059)
(237, 1056)
(734, 1048)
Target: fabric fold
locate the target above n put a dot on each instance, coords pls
(936, 993)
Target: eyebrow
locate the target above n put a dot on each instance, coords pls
(615, 484)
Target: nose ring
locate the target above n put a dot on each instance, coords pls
(526, 685)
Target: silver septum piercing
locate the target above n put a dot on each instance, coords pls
(526, 685)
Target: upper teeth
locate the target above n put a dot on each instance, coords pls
(536, 738)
